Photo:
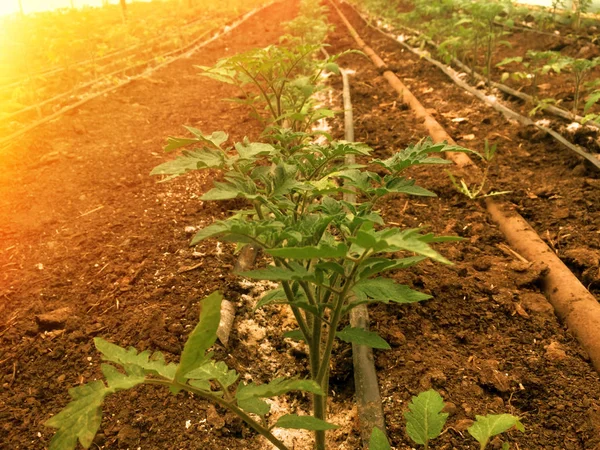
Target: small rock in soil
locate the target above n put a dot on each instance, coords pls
(483, 264)
(519, 266)
(54, 320)
(450, 408)
(128, 436)
(582, 257)
(490, 375)
(433, 378)
(579, 170)
(463, 424)
(213, 418)
(536, 303)
(555, 353)
(497, 404)
(536, 271)
(396, 338)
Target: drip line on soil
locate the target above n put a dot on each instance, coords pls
(492, 101)
(185, 51)
(572, 302)
(555, 110)
(368, 397)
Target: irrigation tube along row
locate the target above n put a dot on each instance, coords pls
(510, 114)
(572, 302)
(183, 53)
(368, 397)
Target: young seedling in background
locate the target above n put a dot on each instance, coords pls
(580, 67)
(280, 80)
(478, 191)
(425, 421)
(484, 16)
(580, 7)
(537, 64)
(197, 373)
(555, 5)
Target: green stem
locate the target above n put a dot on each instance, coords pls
(296, 311)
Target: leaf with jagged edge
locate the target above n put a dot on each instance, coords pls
(386, 290)
(249, 396)
(202, 338)
(213, 370)
(189, 160)
(360, 336)
(383, 290)
(272, 273)
(425, 419)
(324, 251)
(378, 440)
(486, 427)
(374, 266)
(419, 154)
(81, 418)
(297, 422)
(216, 138)
(150, 363)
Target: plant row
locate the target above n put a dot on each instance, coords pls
(53, 52)
(472, 32)
(327, 255)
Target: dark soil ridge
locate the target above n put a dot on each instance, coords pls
(487, 332)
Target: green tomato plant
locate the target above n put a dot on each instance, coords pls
(425, 421)
(328, 256)
(478, 191)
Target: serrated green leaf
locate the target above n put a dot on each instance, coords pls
(254, 405)
(149, 363)
(81, 418)
(321, 251)
(174, 143)
(273, 296)
(216, 138)
(386, 290)
(378, 440)
(425, 419)
(296, 422)
(212, 370)
(296, 335)
(249, 396)
(486, 427)
(410, 240)
(360, 336)
(119, 381)
(203, 336)
(222, 191)
(374, 266)
(296, 272)
(212, 230)
(254, 150)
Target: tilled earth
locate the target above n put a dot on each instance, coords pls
(91, 245)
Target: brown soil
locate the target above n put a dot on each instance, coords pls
(84, 227)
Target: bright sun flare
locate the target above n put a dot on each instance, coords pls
(8, 7)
